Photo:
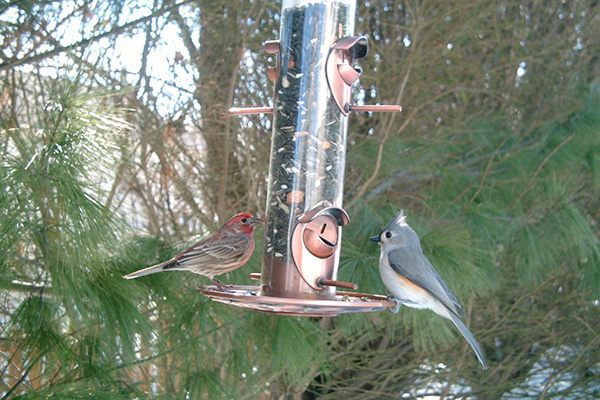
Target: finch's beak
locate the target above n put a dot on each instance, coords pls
(375, 238)
(255, 221)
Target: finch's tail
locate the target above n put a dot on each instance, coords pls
(152, 270)
(458, 322)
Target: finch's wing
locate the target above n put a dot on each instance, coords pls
(223, 250)
(413, 265)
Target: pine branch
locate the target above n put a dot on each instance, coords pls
(23, 286)
(381, 147)
(27, 288)
(537, 171)
(23, 376)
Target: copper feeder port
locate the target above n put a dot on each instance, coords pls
(342, 72)
(314, 251)
(316, 246)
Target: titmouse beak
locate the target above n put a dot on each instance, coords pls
(375, 238)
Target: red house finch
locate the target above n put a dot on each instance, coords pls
(225, 250)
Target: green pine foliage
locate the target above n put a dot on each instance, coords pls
(499, 175)
(73, 318)
(511, 228)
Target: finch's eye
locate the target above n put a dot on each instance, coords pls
(244, 220)
(388, 235)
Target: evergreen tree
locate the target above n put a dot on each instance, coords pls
(104, 170)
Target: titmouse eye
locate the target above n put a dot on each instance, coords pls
(388, 234)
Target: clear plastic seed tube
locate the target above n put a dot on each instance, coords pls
(308, 145)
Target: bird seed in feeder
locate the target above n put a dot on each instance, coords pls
(295, 196)
(309, 139)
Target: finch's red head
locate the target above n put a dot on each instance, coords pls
(243, 223)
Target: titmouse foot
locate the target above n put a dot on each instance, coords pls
(395, 309)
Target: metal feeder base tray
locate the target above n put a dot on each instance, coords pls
(343, 303)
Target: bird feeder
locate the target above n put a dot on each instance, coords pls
(315, 69)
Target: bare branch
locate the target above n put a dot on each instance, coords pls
(113, 32)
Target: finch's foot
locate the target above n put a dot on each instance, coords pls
(396, 308)
(220, 285)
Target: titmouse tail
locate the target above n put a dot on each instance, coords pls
(458, 322)
(152, 270)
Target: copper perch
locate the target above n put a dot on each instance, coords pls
(376, 108)
(255, 276)
(321, 282)
(355, 108)
(329, 282)
(250, 110)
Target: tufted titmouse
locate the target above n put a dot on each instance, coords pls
(413, 281)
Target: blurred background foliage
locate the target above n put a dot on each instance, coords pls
(116, 152)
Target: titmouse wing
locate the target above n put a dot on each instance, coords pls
(414, 266)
